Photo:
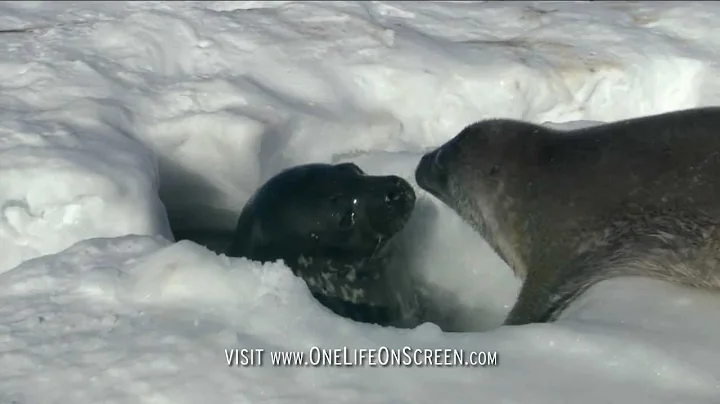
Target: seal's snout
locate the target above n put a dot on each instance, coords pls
(399, 194)
(392, 204)
(431, 173)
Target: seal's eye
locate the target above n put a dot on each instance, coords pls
(343, 210)
(347, 218)
(494, 169)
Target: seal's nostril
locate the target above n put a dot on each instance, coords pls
(392, 196)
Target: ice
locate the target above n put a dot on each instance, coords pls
(137, 318)
(119, 120)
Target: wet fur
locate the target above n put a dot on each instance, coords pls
(357, 277)
(569, 209)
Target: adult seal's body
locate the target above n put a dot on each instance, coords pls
(334, 226)
(568, 209)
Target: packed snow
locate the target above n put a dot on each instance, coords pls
(120, 121)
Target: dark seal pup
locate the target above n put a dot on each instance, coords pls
(568, 209)
(334, 226)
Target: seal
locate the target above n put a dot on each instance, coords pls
(335, 227)
(568, 209)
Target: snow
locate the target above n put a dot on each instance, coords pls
(118, 119)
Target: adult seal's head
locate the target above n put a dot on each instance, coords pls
(567, 209)
(334, 226)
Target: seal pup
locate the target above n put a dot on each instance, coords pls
(335, 227)
(568, 209)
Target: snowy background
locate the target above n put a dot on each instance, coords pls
(118, 119)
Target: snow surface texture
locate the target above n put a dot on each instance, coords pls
(114, 113)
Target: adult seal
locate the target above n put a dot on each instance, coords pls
(335, 227)
(568, 209)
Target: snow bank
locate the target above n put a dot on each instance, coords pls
(106, 105)
(136, 319)
(64, 181)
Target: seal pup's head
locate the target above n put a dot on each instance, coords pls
(332, 225)
(318, 210)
